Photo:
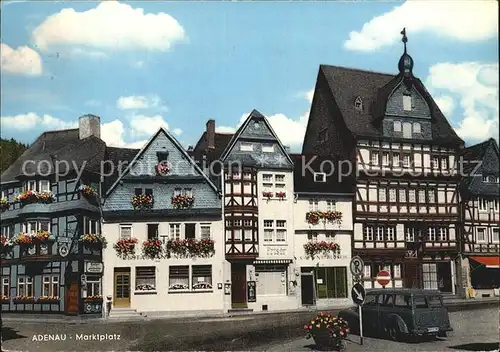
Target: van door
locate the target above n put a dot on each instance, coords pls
(386, 307)
(431, 316)
(370, 313)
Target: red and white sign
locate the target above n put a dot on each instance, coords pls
(383, 278)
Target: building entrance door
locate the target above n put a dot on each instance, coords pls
(412, 277)
(238, 285)
(122, 287)
(444, 277)
(307, 289)
(72, 298)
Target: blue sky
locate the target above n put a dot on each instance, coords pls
(139, 65)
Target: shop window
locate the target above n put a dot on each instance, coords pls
(429, 272)
(178, 277)
(331, 282)
(202, 277)
(271, 279)
(145, 278)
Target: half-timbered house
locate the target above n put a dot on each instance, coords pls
(256, 173)
(480, 194)
(162, 218)
(49, 203)
(403, 150)
(323, 232)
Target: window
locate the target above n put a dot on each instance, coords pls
(392, 195)
(435, 162)
(32, 227)
(280, 231)
(175, 231)
(268, 148)
(246, 147)
(247, 223)
(202, 277)
(91, 226)
(247, 235)
(5, 287)
(370, 300)
(494, 205)
(331, 282)
(50, 286)
(431, 234)
(93, 285)
(279, 181)
(402, 195)
(46, 286)
(385, 158)
(268, 230)
(205, 232)
(367, 270)
(483, 204)
(395, 159)
(329, 237)
(44, 186)
(391, 233)
(323, 136)
(417, 128)
(412, 233)
(313, 204)
(358, 104)
(411, 196)
(429, 272)
(182, 192)
(407, 130)
(138, 191)
(397, 270)
(25, 286)
(421, 196)
(442, 234)
(125, 232)
(319, 177)
(145, 278)
(444, 163)
(7, 230)
(190, 231)
(178, 277)
(407, 102)
(374, 158)
(481, 235)
(406, 160)
(237, 230)
(271, 280)
(312, 237)
(402, 301)
(495, 235)
(331, 205)
(152, 231)
(38, 186)
(397, 126)
(380, 233)
(382, 195)
(368, 233)
(431, 196)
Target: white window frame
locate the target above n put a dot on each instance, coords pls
(313, 205)
(397, 270)
(44, 186)
(90, 225)
(482, 205)
(246, 147)
(397, 126)
(410, 234)
(392, 195)
(267, 148)
(32, 226)
(205, 226)
(374, 157)
(379, 233)
(402, 195)
(312, 237)
(443, 234)
(431, 196)
(483, 240)
(94, 284)
(124, 226)
(432, 234)
(412, 196)
(331, 205)
(406, 102)
(368, 233)
(154, 278)
(406, 160)
(25, 282)
(435, 163)
(495, 239)
(367, 271)
(237, 230)
(6, 286)
(382, 194)
(421, 196)
(7, 231)
(417, 128)
(385, 158)
(280, 231)
(174, 231)
(390, 233)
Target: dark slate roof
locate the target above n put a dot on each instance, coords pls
(116, 157)
(62, 145)
(201, 148)
(374, 88)
(303, 177)
(473, 182)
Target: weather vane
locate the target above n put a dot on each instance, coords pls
(405, 38)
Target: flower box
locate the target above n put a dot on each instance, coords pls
(4, 204)
(182, 201)
(142, 202)
(125, 248)
(6, 244)
(280, 195)
(4, 300)
(313, 217)
(87, 191)
(29, 197)
(313, 249)
(190, 248)
(162, 168)
(93, 299)
(47, 300)
(267, 194)
(94, 240)
(152, 249)
(328, 332)
(24, 300)
(23, 239)
(42, 236)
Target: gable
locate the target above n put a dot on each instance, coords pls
(396, 101)
(488, 158)
(255, 144)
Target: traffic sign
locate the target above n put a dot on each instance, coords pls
(356, 266)
(383, 278)
(358, 294)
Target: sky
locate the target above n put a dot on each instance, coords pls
(142, 65)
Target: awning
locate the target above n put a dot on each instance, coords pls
(272, 261)
(489, 262)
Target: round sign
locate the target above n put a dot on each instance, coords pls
(383, 278)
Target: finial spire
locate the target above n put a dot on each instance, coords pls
(405, 38)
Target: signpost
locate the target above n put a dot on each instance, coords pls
(358, 292)
(383, 278)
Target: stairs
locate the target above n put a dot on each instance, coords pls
(239, 311)
(124, 313)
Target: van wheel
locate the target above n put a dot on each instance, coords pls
(393, 332)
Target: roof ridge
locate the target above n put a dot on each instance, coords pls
(359, 70)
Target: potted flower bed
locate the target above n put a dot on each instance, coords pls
(6, 244)
(280, 195)
(88, 191)
(315, 248)
(29, 197)
(313, 217)
(42, 236)
(152, 249)
(23, 299)
(125, 248)
(4, 299)
(93, 299)
(267, 195)
(328, 332)
(190, 248)
(23, 239)
(142, 202)
(162, 168)
(182, 201)
(95, 240)
(47, 300)
(4, 204)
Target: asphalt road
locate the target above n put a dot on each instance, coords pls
(474, 330)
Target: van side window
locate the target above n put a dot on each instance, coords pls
(402, 301)
(434, 301)
(420, 302)
(387, 300)
(370, 300)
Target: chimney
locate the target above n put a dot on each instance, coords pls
(211, 134)
(89, 125)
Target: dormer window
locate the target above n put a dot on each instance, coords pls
(319, 177)
(417, 128)
(246, 147)
(267, 148)
(358, 104)
(407, 102)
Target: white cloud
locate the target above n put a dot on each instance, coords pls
(224, 129)
(22, 60)
(463, 20)
(478, 96)
(135, 102)
(92, 54)
(177, 131)
(110, 25)
(446, 105)
(309, 95)
(146, 125)
(25, 122)
(113, 133)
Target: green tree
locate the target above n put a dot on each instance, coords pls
(10, 150)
